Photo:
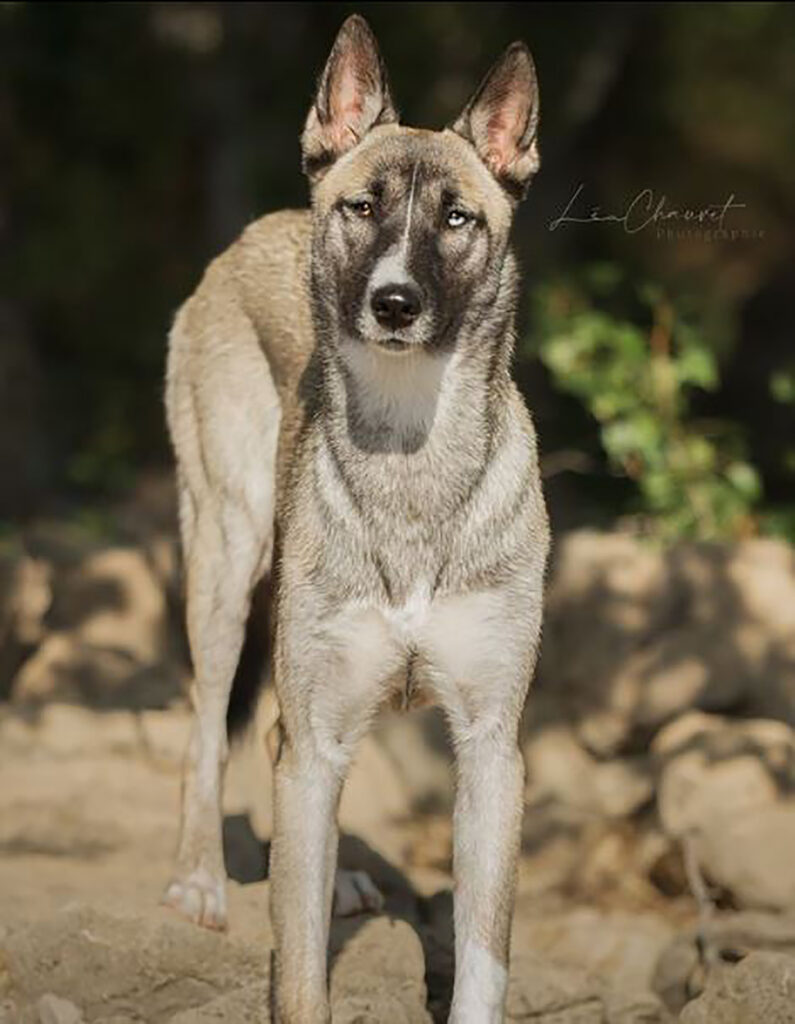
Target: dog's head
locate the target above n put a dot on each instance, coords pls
(411, 226)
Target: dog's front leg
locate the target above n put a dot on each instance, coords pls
(303, 862)
(488, 817)
(483, 646)
(330, 675)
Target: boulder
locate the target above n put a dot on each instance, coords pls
(378, 974)
(679, 975)
(560, 768)
(700, 796)
(724, 785)
(107, 642)
(25, 596)
(67, 669)
(113, 599)
(720, 738)
(546, 992)
(758, 990)
(108, 964)
(53, 1010)
(636, 635)
(624, 947)
(750, 854)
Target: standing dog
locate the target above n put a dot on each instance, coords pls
(340, 402)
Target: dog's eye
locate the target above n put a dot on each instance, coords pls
(361, 207)
(458, 218)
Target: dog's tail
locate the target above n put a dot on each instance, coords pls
(253, 665)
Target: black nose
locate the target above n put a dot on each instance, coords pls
(396, 305)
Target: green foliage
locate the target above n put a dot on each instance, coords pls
(638, 377)
(782, 386)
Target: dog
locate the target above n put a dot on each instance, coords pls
(345, 424)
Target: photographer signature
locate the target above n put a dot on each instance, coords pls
(645, 209)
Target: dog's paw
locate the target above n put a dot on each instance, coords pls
(355, 893)
(200, 897)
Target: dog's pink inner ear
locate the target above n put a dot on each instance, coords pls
(501, 120)
(503, 132)
(351, 88)
(353, 97)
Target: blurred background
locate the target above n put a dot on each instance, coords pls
(656, 349)
(140, 138)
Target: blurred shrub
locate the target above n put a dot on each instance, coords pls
(637, 363)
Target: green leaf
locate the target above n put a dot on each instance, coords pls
(782, 386)
(696, 365)
(745, 479)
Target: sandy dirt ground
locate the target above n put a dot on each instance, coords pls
(88, 819)
(656, 880)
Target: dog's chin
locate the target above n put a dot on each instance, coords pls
(396, 346)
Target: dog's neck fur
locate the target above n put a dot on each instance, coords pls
(411, 433)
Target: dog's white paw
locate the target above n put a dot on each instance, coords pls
(355, 893)
(200, 897)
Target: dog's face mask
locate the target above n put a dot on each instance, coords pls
(411, 226)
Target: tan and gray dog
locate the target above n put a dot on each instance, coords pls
(340, 402)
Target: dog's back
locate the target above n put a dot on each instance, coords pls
(251, 305)
(237, 350)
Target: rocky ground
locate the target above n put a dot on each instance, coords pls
(657, 880)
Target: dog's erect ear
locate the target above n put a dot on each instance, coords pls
(501, 120)
(352, 97)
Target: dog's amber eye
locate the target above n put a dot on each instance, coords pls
(457, 218)
(361, 208)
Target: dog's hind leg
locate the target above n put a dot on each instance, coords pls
(224, 423)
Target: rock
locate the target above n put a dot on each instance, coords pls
(604, 732)
(419, 748)
(688, 729)
(9, 1012)
(635, 636)
(762, 573)
(245, 1005)
(67, 669)
(549, 993)
(727, 937)
(378, 973)
(53, 1010)
(697, 794)
(618, 945)
(679, 975)
(113, 599)
(721, 738)
(25, 596)
(751, 855)
(632, 1007)
(621, 788)
(559, 767)
(758, 990)
(108, 643)
(545, 992)
(606, 595)
(106, 963)
(691, 666)
(718, 784)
